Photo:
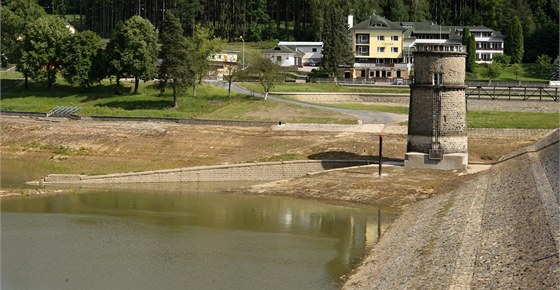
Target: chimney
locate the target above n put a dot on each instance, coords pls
(350, 21)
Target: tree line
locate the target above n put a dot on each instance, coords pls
(258, 20)
(46, 47)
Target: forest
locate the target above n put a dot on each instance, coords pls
(258, 20)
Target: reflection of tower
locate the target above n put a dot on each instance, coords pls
(437, 128)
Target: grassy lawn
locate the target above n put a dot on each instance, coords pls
(530, 74)
(210, 102)
(519, 120)
(260, 110)
(103, 100)
(7, 75)
(479, 119)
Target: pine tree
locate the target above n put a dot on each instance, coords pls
(514, 41)
(175, 67)
(337, 45)
(555, 70)
(470, 43)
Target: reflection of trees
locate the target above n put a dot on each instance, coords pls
(354, 230)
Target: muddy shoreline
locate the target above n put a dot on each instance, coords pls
(445, 197)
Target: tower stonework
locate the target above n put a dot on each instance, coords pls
(437, 118)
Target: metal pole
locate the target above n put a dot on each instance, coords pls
(380, 152)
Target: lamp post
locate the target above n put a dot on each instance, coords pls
(243, 53)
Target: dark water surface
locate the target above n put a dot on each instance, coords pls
(187, 236)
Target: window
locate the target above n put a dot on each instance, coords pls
(437, 79)
(362, 50)
(362, 38)
(381, 49)
(380, 37)
(395, 38)
(314, 49)
(394, 49)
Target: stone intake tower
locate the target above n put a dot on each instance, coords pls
(437, 118)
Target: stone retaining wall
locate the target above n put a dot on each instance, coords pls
(531, 105)
(265, 171)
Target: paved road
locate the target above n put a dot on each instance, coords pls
(367, 117)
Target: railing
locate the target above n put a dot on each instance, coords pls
(505, 84)
(511, 92)
(363, 81)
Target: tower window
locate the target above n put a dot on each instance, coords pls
(437, 79)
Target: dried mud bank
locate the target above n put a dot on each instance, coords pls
(500, 230)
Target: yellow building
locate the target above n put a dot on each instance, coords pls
(378, 50)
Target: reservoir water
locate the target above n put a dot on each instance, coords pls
(188, 236)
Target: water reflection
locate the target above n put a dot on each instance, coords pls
(221, 241)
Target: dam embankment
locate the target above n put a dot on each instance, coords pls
(500, 230)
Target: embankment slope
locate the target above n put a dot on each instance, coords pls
(500, 230)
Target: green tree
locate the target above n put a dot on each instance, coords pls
(471, 54)
(514, 41)
(268, 73)
(544, 64)
(492, 71)
(100, 66)
(396, 10)
(502, 59)
(337, 43)
(59, 7)
(202, 45)
(79, 54)
(134, 50)
(187, 12)
(517, 70)
(232, 72)
(14, 17)
(467, 40)
(555, 70)
(419, 10)
(114, 52)
(259, 21)
(41, 54)
(175, 68)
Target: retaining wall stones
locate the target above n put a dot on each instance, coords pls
(266, 171)
(483, 104)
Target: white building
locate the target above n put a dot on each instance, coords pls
(313, 51)
(488, 42)
(285, 56)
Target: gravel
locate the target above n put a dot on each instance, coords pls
(500, 230)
